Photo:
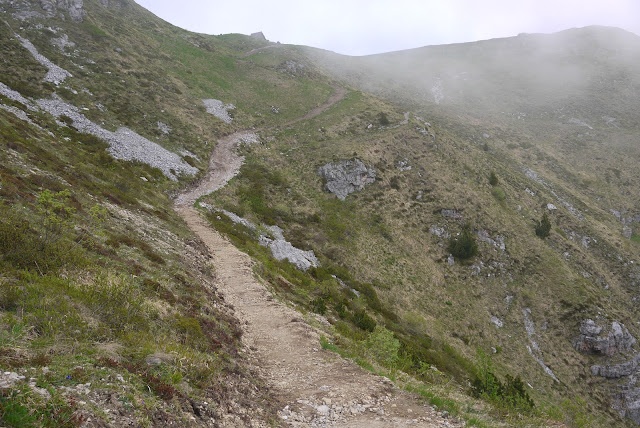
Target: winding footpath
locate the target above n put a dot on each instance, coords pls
(318, 387)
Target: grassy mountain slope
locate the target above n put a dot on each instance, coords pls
(549, 145)
(70, 262)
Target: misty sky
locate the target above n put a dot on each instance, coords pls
(361, 27)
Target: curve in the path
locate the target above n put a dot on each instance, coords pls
(320, 388)
(225, 163)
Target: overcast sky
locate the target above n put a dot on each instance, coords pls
(361, 27)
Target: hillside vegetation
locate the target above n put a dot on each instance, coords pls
(484, 257)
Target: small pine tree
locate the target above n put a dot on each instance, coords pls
(465, 246)
(493, 178)
(383, 119)
(543, 227)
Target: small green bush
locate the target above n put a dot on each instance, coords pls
(394, 183)
(383, 120)
(384, 346)
(363, 321)
(510, 394)
(493, 178)
(464, 246)
(543, 227)
(318, 305)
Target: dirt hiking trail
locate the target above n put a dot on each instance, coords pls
(318, 387)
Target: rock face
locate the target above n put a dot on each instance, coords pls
(346, 177)
(595, 339)
(592, 341)
(73, 7)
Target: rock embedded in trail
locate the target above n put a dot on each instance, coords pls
(347, 176)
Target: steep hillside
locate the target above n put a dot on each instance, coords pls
(355, 181)
(553, 151)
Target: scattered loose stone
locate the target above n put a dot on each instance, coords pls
(16, 96)
(19, 114)
(496, 321)
(164, 128)
(9, 379)
(124, 144)
(56, 74)
(219, 109)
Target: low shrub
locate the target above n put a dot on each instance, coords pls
(509, 394)
(384, 346)
(493, 179)
(463, 246)
(363, 321)
(543, 227)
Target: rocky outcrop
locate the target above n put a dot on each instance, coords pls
(534, 348)
(627, 219)
(292, 68)
(617, 371)
(438, 231)
(497, 241)
(592, 340)
(596, 339)
(281, 249)
(72, 7)
(347, 176)
(258, 35)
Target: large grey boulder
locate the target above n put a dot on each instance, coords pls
(347, 176)
(592, 340)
